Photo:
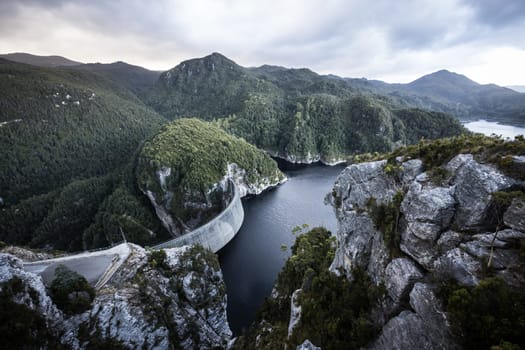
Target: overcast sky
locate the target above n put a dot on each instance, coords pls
(391, 40)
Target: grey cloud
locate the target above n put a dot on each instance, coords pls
(338, 36)
(498, 13)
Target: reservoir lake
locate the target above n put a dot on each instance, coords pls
(488, 128)
(251, 261)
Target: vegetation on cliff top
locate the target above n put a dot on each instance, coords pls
(335, 313)
(436, 153)
(198, 154)
(70, 291)
(489, 315)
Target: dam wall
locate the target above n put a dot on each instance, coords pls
(217, 232)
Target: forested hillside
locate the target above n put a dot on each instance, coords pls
(293, 113)
(40, 61)
(454, 94)
(134, 78)
(183, 168)
(66, 137)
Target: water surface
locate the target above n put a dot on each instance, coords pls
(488, 128)
(252, 260)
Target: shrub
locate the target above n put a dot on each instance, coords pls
(158, 259)
(489, 314)
(70, 291)
(386, 219)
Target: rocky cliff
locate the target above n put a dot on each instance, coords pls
(185, 171)
(156, 300)
(429, 254)
(418, 227)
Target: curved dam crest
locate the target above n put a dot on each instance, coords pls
(217, 232)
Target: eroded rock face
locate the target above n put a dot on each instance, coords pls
(514, 217)
(474, 184)
(425, 328)
(31, 293)
(365, 180)
(307, 345)
(445, 231)
(178, 302)
(400, 276)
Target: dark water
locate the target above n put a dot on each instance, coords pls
(252, 260)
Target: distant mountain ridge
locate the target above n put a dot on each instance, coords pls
(442, 91)
(456, 94)
(517, 88)
(295, 114)
(134, 78)
(40, 61)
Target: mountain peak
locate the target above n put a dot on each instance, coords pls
(443, 77)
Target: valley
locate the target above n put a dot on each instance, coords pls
(378, 209)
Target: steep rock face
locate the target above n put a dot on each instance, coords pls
(474, 184)
(445, 230)
(153, 301)
(31, 295)
(186, 170)
(426, 328)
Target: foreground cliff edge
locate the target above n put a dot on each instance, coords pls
(155, 300)
(430, 254)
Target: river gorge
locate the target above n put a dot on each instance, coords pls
(252, 260)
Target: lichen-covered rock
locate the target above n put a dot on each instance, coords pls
(159, 301)
(307, 345)
(426, 328)
(475, 183)
(460, 265)
(514, 217)
(441, 232)
(28, 291)
(411, 169)
(359, 182)
(448, 240)
(185, 171)
(418, 241)
(429, 204)
(363, 246)
(295, 311)
(400, 276)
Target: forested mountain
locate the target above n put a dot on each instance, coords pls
(455, 94)
(41, 61)
(134, 78)
(66, 137)
(294, 113)
(184, 170)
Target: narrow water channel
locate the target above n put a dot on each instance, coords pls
(252, 260)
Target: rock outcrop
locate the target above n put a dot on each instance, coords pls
(186, 171)
(446, 229)
(154, 301)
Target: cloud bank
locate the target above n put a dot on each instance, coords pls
(396, 41)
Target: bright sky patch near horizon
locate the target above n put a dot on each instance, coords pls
(394, 41)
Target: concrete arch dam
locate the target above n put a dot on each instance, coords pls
(217, 232)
